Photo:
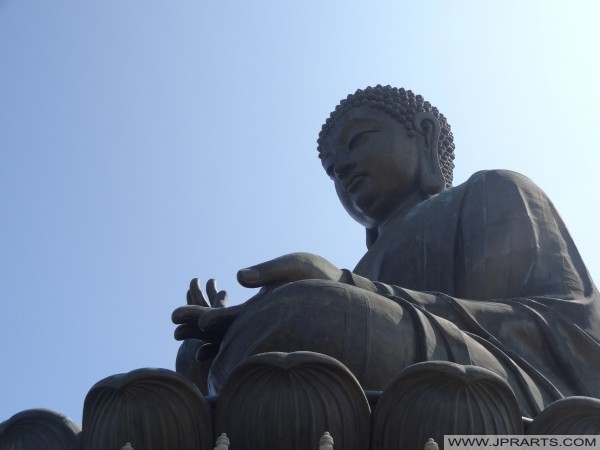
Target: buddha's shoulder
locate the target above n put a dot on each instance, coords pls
(498, 187)
(499, 178)
(483, 187)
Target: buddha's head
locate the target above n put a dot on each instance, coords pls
(385, 148)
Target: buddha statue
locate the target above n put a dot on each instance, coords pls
(482, 274)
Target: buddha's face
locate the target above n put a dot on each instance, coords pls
(373, 163)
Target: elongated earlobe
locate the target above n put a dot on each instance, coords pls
(431, 178)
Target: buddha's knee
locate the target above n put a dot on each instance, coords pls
(368, 333)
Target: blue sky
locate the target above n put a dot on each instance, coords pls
(144, 143)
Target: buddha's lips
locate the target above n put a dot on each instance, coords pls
(353, 180)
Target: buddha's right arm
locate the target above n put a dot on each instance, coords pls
(433, 302)
(487, 317)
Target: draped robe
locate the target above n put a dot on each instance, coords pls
(484, 273)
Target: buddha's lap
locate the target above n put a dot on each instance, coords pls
(372, 335)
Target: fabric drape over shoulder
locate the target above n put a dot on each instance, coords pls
(483, 274)
(503, 268)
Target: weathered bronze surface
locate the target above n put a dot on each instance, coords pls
(151, 409)
(42, 429)
(300, 395)
(483, 274)
(470, 309)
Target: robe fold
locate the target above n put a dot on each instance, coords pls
(482, 274)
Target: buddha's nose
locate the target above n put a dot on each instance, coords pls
(343, 168)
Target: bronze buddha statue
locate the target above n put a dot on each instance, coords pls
(484, 273)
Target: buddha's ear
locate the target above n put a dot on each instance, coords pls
(431, 178)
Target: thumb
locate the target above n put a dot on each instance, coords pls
(287, 268)
(249, 277)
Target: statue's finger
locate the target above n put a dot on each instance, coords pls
(220, 300)
(250, 277)
(211, 290)
(219, 319)
(280, 270)
(195, 295)
(187, 331)
(188, 314)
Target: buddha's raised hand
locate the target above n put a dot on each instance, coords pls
(197, 306)
(209, 323)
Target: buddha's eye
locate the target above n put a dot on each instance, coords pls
(358, 137)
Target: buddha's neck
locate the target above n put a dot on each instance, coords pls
(402, 209)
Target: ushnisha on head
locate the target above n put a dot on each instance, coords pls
(404, 106)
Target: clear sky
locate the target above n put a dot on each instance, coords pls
(143, 143)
